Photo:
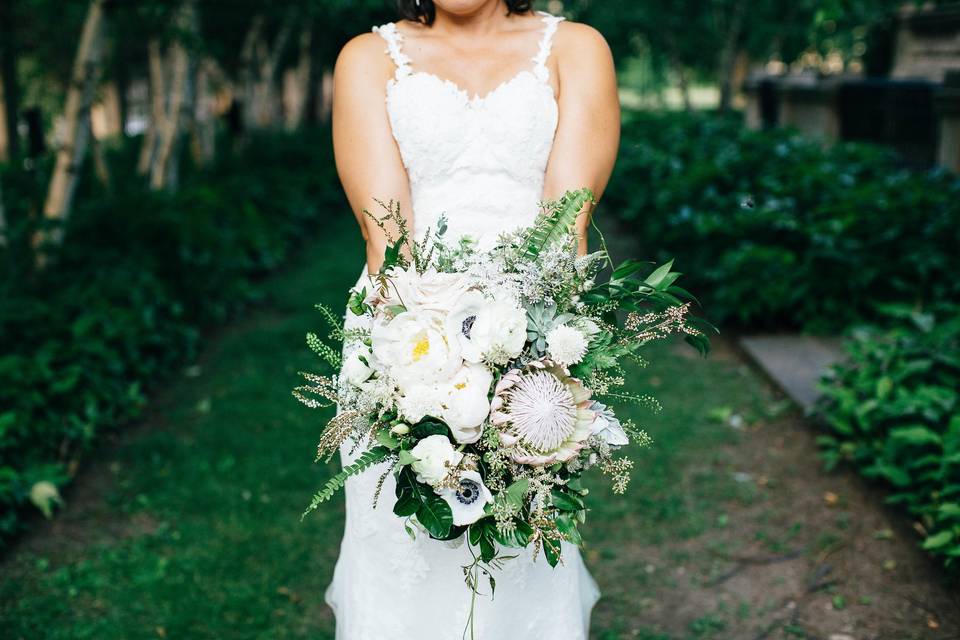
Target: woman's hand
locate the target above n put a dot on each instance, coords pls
(367, 157)
(588, 132)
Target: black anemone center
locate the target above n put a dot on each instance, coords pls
(468, 325)
(468, 492)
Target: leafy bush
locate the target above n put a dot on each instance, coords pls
(778, 232)
(893, 410)
(124, 300)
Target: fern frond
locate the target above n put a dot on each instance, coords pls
(555, 223)
(366, 460)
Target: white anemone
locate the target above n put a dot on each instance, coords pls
(468, 500)
(486, 329)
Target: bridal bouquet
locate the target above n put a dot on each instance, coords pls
(483, 380)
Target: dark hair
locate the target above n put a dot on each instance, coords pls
(424, 11)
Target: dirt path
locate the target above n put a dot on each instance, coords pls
(796, 553)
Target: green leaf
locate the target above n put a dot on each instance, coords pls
(406, 505)
(938, 540)
(659, 275)
(366, 460)
(566, 501)
(568, 527)
(556, 223)
(552, 553)
(406, 457)
(916, 435)
(517, 491)
(436, 516)
(386, 438)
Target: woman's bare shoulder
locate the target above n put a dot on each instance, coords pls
(575, 39)
(364, 54)
(580, 49)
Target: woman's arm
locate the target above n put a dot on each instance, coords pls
(367, 157)
(588, 132)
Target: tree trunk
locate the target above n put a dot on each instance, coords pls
(204, 120)
(164, 173)
(258, 69)
(297, 81)
(76, 120)
(3, 220)
(248, 72)
(9, 86)
(325, 103)
(5, 137)
(676, 63)
(728, 56)
(148, 148)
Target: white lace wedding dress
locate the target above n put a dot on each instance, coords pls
(479, 161)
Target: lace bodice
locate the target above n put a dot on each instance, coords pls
(480, 160)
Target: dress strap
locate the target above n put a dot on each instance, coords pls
(540, 68)
(394, 38)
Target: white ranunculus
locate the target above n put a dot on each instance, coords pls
(414, 349)
(607, 426)
(467, 404)
(429, 290)
(435, 456)
(566, 345)
(495, 330)
(468, 500)
(356, 366)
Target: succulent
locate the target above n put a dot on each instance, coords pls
(541, 320)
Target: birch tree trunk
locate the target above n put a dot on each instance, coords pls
(157, 90)
(204, 119)
(258, 71)
(3, 220)
(297, 81)
(728, 56)
(76, 120)
(9, 87)
(164, 172)
(6, 151)
(248, 72)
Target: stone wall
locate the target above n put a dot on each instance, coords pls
(927, 43)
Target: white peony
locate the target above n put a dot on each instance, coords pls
(566, 345)
(494, 330)
(468, 500)
(356, 366)
(435, 456)
(467, 404)
(414, 349)
(429, 290)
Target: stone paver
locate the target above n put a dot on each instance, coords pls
(794, 362)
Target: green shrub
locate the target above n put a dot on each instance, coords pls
(125, 299)
(774, 231)
(893, 411)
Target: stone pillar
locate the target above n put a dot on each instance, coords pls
(762, 108)
(947, 105)
(809, 104)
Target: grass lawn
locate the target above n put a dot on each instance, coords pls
(187, 526)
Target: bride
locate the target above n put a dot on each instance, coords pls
(475, 110)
